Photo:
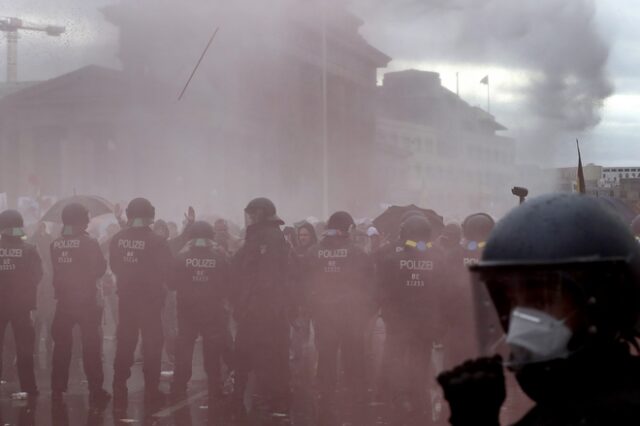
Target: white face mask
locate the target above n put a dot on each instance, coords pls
(535, 336)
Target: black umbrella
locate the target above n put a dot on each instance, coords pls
(390, 220)
(97, 206)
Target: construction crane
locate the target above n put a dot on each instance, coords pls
(11, 26)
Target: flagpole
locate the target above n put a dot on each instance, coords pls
(488, 96)
(325, 141)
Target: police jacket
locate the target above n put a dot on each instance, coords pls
(200, 277)
(261, 271)
(604, 391)
(339, 278)
(472, 253)
(78, 263)
(411, 285)
(20, 273)
(140, 260)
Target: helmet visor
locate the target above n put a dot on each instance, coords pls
(542, 296)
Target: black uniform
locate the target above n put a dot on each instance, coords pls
(20, 273)
(459, 341)
(78, 263)
(411, 292)
(200, 278)
(261, 299)
(140, 260)
(341, 298)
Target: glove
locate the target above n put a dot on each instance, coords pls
(475, 392)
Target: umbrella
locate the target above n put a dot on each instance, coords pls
(97, 206)
(390, 220)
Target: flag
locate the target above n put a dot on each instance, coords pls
(582, 189)
(485, 80)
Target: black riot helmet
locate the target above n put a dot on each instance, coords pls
(411, 213)
(342, 222)
(11, 224)
(635, 226)
(140, 212)
(559, 262)
(477, 227)
(260, 210)
(415, 228)
(201, 230)
(76, 215)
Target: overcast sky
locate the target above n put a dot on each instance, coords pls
(516, 43)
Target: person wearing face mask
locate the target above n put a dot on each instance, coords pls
(262, 298)
(78, 263)
(561, 275)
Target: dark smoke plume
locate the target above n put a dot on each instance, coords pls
(557, 43)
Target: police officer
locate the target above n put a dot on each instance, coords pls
(20, 273)
(140, 260)
(262, 299)
(200, 278)
(563, 275)
(78, 263)
(341, 299)
(411, 290)
(475, 230)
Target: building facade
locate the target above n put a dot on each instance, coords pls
(252, 122)
(446, 155)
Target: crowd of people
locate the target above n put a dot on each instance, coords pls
(260, 301)
(560, 271)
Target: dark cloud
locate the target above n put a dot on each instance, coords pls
(558, 42)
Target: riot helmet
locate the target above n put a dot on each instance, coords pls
(560, 276)
(75, 218)
(411, 213)
(340, 223)
(260, 210)
(415, 232)
(476, 229)
(11, 224)
(140, 212)
(202, 233)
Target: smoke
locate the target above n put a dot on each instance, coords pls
(555, 45)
